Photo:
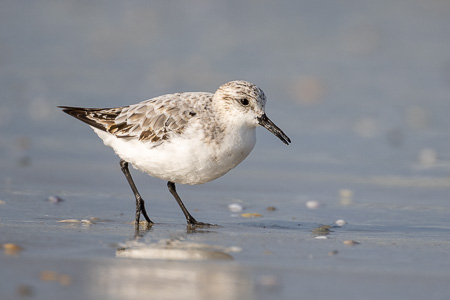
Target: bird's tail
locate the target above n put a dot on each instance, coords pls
(101, 118)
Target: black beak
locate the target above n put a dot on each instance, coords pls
(265, 122)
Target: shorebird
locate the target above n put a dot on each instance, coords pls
(187, 138)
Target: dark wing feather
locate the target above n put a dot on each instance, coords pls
(153, 120)
(100, 118)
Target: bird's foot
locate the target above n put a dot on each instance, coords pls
(193, 223)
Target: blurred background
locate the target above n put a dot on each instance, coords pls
(361, 87)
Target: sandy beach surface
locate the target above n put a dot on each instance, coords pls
(357, 207)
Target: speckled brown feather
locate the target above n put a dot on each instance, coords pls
(100, 118)
(153, 120)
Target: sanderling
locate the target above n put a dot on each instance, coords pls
(186, 138)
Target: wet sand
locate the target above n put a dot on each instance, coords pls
(91, 249)
(360, 88)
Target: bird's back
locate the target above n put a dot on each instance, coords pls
(153, 120)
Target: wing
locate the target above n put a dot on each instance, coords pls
(100, 118)
(153, 120)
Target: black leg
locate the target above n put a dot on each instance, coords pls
(140, 207)
(189, 218)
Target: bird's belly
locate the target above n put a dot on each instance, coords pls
(184, 161)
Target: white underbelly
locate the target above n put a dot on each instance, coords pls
(184, 161)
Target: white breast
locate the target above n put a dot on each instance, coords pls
(185, 159)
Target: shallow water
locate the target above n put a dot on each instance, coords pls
(361, 89)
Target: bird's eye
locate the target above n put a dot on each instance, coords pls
(244, 101)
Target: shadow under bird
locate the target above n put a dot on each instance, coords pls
(186, 138)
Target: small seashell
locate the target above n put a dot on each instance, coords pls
(235, 207)
(321, 237)
(350, 243)
(251, 215)
(69, 221)
(312, 204)
(340, 222)
(12, 249)
(271, 208)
